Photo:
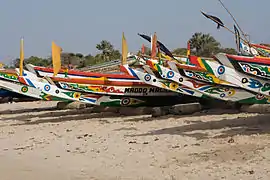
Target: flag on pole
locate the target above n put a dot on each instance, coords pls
(188, 48)
(215, 19)
(237, 38)
(161, 45)
(124, 50)
(143, 49)
(21, 57)
(154, 46)
(56, 58)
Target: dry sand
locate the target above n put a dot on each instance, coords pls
(50, 144)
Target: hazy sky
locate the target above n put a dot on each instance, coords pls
(78, 25)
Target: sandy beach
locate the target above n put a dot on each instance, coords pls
(39, 142)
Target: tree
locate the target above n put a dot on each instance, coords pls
(180, 51)
(204, 44)
(107, 49)
(115, 55)
(228, 51)
(37, 61)
(87, 61)
(79, 55)
(71, 58)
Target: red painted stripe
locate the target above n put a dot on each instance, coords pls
(261, 60)
(260, 46)
(81, 73)
(124, 70)
(98, 82)
(194, 60)
(9, 71)
(191, 68)
(149, 63)
(21, 80)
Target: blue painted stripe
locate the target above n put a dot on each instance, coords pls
(188, 91)
(30, 83)
(133, 73)
(204, 88)
(90, 100)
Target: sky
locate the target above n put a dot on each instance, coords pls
(78, 25)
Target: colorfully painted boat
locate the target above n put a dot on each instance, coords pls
(101, 86)
(151, 79)
(225, 70)
(225, 93)
(42, 90)
(259, 96)
(7, 93)
(10, 75)
(255, 66)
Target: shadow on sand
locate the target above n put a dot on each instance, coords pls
(259, 124)
(59, 116)
(27, 110)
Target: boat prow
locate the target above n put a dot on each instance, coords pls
(223, 59)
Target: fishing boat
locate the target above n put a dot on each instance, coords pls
(37, 93)
(255, 66)
(47, 86)
(43, 90)
(221, 92)
(176, 72)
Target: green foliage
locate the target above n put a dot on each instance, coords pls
(180, 51)
(228, 51)
(32, 60)
(107, 51)
(38, 61)
(201, 45)
(204, 44)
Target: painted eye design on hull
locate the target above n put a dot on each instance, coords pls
(221, 70)
(147, 77)
(170, 74)
(222, 95)
(259, 96)
(24, 89)
(125, 101)
(47, 87)
(181, 79)
(76, 95)
(255, 84)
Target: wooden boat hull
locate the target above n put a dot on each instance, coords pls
(227, 72)
(99, 87)
(10, 75)
(165, 84)
(136, 91)
(43, 71)
(6, 93)
(113, 84)
(87, 98)
(45, 87)
(256, 67)
(194, 68)
(214, 91)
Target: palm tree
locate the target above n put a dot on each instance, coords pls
(196, 42)
(204, 44)
(106, 47)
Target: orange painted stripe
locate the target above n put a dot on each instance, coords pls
(98, 82)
